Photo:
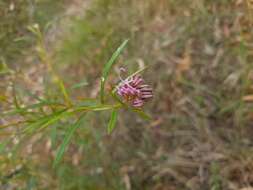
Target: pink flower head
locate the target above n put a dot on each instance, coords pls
(134, 91)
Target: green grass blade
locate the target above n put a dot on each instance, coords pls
(113, 120)
(66, 140)
(108, 67)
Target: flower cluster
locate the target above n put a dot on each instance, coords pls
(134, 91)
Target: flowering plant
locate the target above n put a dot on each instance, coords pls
(134, 91)
(130, 93)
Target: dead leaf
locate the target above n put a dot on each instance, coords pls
(184, 64)
(226, 31)
(156, 122)
(238, 2)
(248, 98)
(247, 188)
(127, 182)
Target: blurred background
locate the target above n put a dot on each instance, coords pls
(199, 57)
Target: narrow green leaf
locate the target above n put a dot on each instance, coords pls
(15, 99)
(80, 85)
(115, 97)
(88, 102)
(67, 139)
(33, 106)
(26, 91)
(113, 120)
(35, 29)
(97, 107)
(55, 119)
(32, 29)
(21, 39)
(64, 91)
(45, 121)
(31, 183)
(53, 135)
(108, 67)
(229, 108)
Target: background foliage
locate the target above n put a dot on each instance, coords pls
(199, 55)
